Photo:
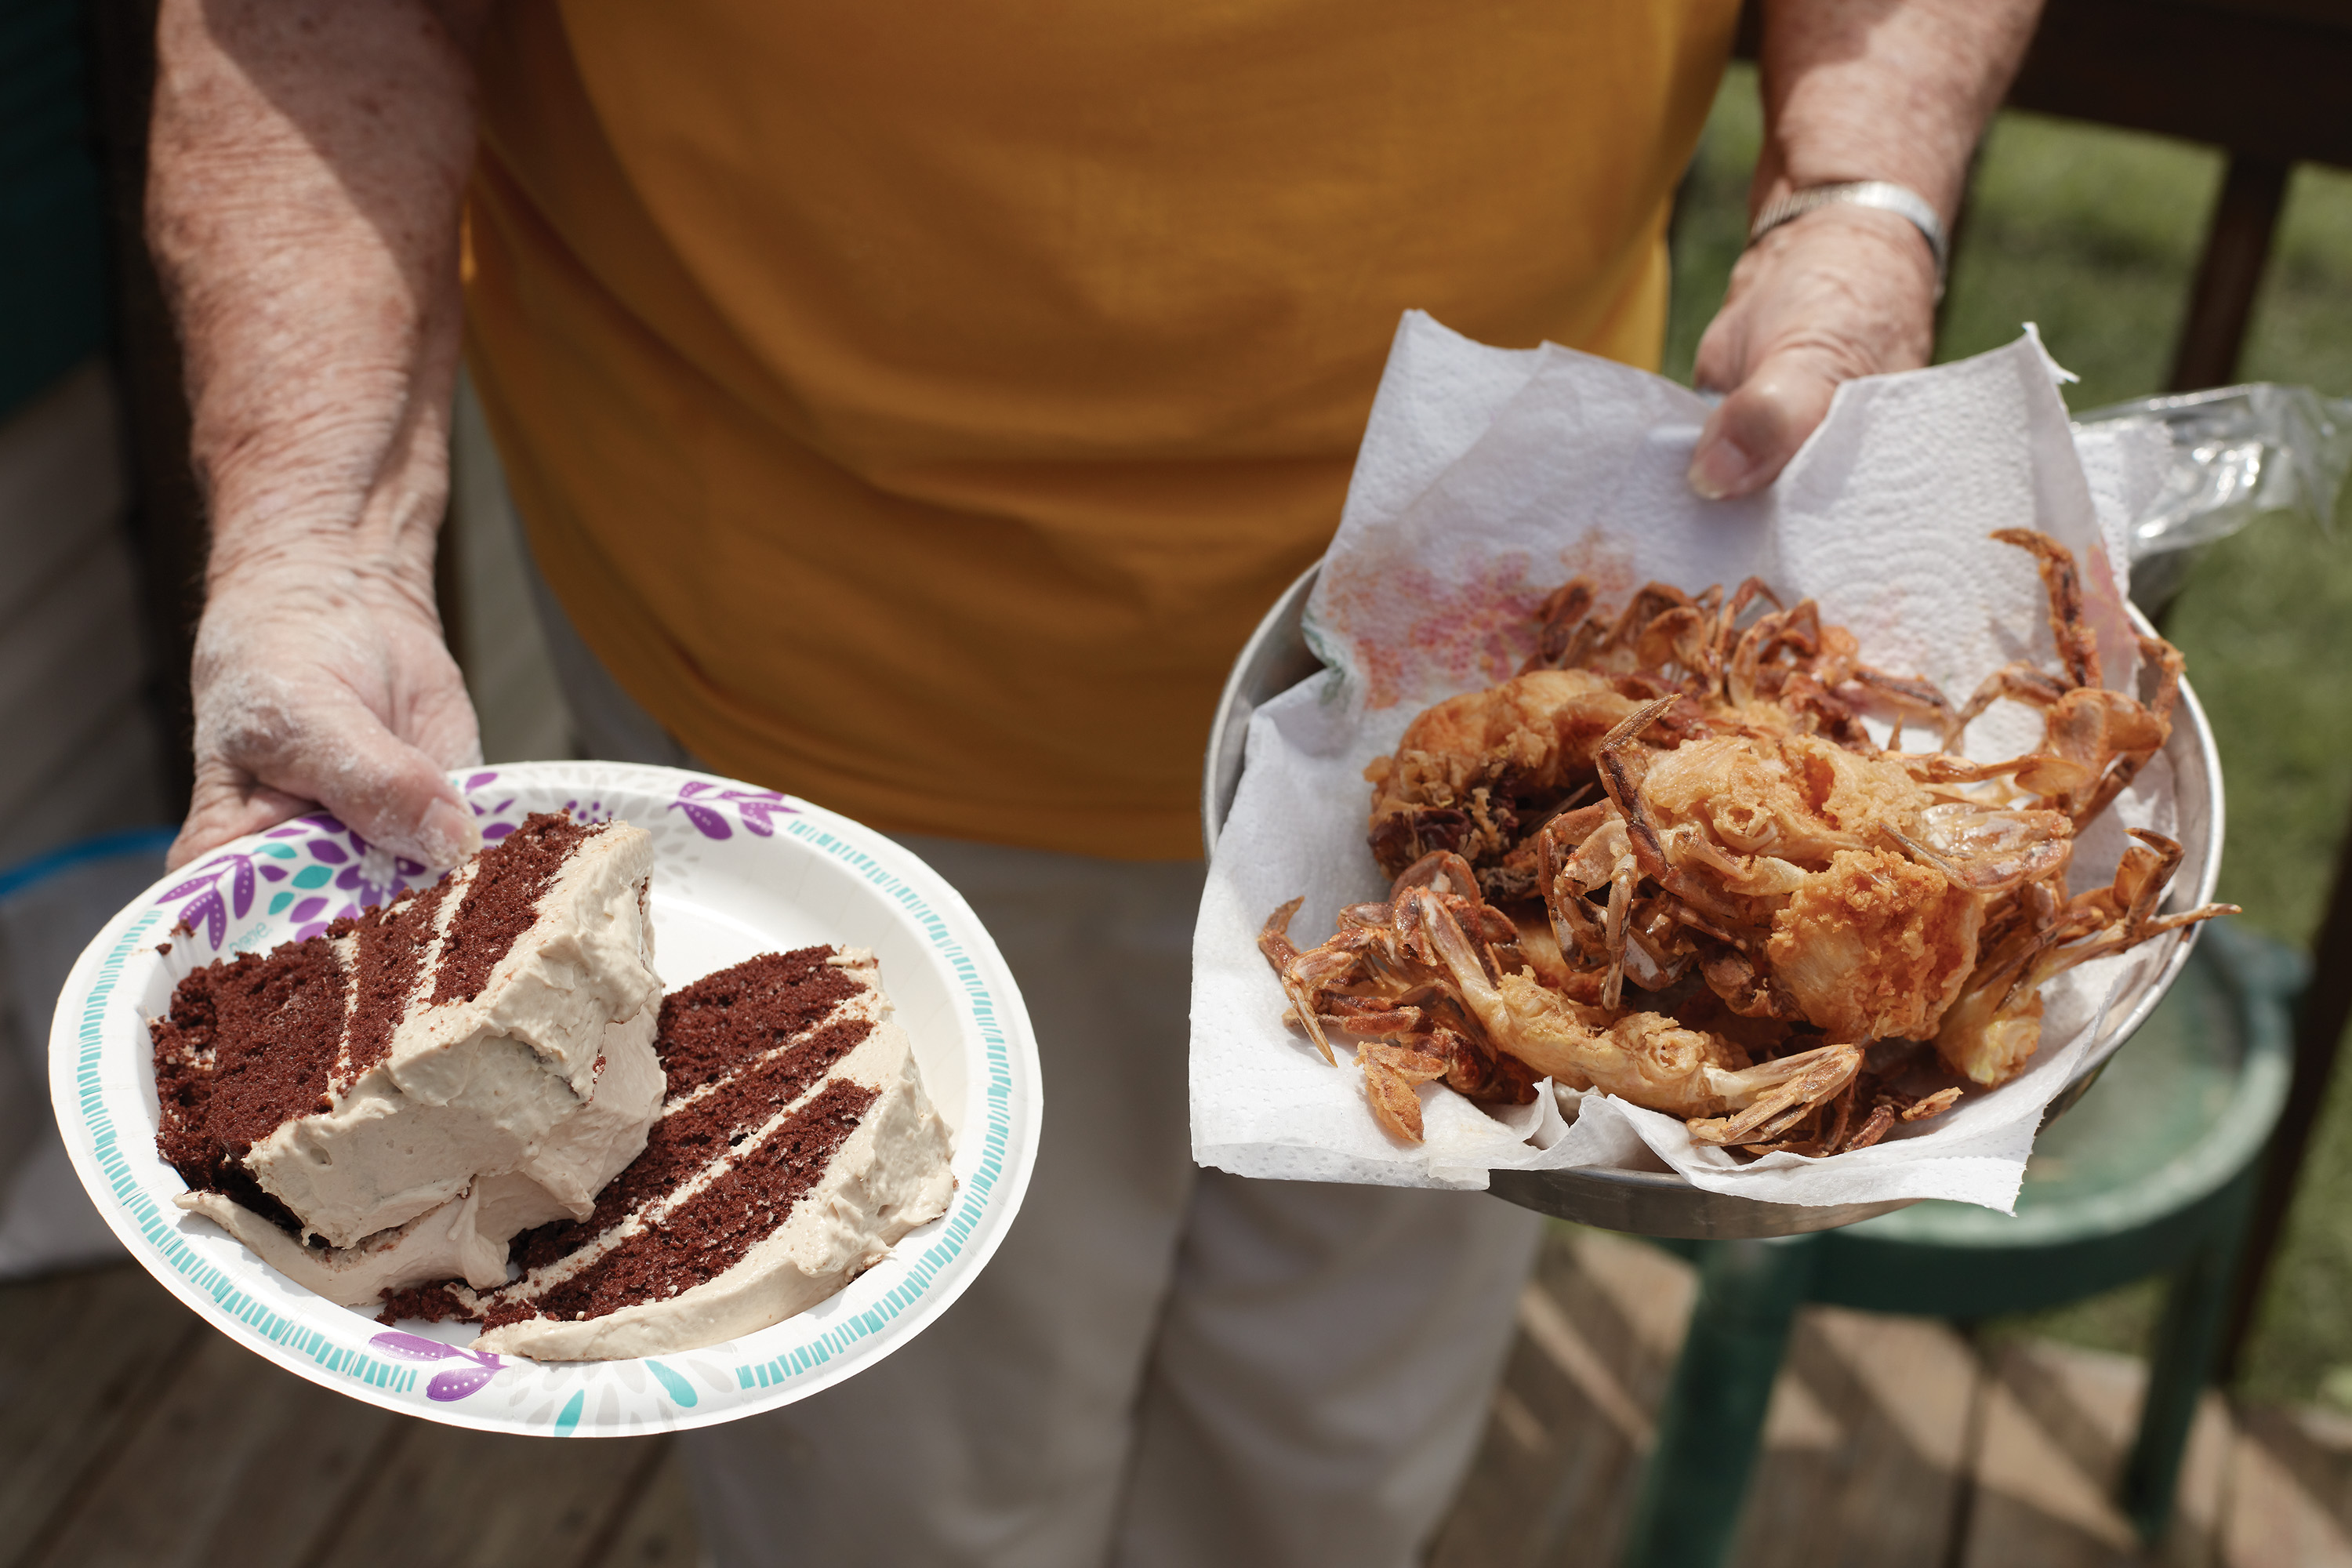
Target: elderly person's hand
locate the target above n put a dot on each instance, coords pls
(1834, 295)
(308, 160)
(328, 681)
(1896, 90)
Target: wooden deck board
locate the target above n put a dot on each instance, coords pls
(1890, 1441)
(2289, 1492)
(1599, 1325)
(2059, 1422)
(2056, 1425)
(242, 1465)
(84, 1361)
(659, 1532)
(458, 1498)
(1885, 1436)
(1863, 1446)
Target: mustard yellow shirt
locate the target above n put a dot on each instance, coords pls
(916, 405)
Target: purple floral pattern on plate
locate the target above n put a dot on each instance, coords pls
(314, 870)
(700, 803)
(496, 826)
(447, 1386)
(258, 891)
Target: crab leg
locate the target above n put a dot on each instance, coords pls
(1676, 636)
(1943, 767)
(1382, 1024)
(1389, 1073)
(1799, 628)
(2078, 646)
(1563, 614)
(1620, 899)
(2139, 886)
(1625, 790)
(1274, 940)
(2022, 681)
(1655, 600)
(1571, 923)
(1642, 1056)
(1783, 1093)
(2168, 662)
(1719, 656)
(1442, 870)
(1906, 696)
(1987, 874)
(1995, 1025)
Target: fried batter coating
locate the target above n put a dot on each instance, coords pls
(1876, 947)
(1679, 796)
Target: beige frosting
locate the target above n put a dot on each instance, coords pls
(888, 1177)
(466, 1236)
(473, 1090)
(443, 1244)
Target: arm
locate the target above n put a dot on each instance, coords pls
(307, 164)
(1853, 89)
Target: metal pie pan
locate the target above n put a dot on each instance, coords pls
(1661, 1203)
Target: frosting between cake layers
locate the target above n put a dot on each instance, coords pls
(467, 1238)
(869, 1155)
(486, 1084)
(443, 1243)
(480, 1057)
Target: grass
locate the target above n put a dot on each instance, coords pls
(2094, 234)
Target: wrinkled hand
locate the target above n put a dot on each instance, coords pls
(1839, 293)
(325, 684)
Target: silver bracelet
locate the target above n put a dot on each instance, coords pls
(1883, 194)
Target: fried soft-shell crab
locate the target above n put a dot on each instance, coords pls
(1666, 861)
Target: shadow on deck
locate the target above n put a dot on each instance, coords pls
(1890, 1441)
(131, 1433)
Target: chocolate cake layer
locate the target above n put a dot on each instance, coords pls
(387, 1138)
(489, 1082)
(694, 1132)
(709, 1027)
(248, 1044)
(796, 1147)
(501, 902)
(694, 1239)
(394, 943)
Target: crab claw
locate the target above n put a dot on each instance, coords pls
(1389, 1073)
(1440, 871)
(1274, 937)
(1623, 789)
(1783, 1093)
(2078, 645)
(1274, 940)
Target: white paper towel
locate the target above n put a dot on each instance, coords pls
(1489, 476)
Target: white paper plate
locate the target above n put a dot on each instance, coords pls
(738, 871)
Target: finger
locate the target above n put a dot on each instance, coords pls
(1755, 429)
(386, 790)
(438, 716)
(342, 756)
(225, 806)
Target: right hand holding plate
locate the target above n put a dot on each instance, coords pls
(320, 682)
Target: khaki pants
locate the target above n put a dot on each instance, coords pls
(1163, 1365)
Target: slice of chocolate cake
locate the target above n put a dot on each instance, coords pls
(392, 1100)
(795, 1147)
